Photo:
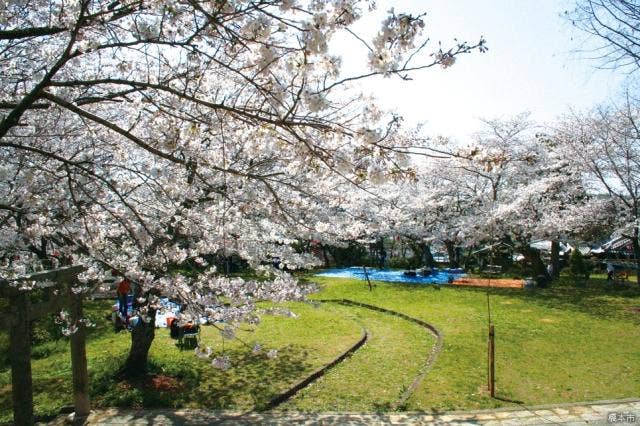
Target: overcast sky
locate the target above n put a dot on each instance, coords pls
(531, 65)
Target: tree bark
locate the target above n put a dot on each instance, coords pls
(428, 257)
(142, 336)
(20, 355)
(325, 256)
(532, 257)
(451, 252)
(555, 258)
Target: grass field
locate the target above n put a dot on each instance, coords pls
(553, 345)
(179, 378)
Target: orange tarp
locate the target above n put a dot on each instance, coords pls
(489, 282)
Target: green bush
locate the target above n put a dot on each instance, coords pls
(47, 349)
(45, 330)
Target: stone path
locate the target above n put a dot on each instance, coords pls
(619, 412)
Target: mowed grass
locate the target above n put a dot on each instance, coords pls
(377, 374)
(180, 379)
(553, 345)
(560, 344)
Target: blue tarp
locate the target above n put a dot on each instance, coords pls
(439, 276)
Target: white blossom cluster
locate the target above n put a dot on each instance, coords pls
(152, 138)
(397, 36)
(510, 184)
(69, 327)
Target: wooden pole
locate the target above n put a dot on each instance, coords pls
(79, 360)
(492, 365)
(20, 355)
(22, 313)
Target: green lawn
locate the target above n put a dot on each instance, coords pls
(376, 375)
(552, 345)
(304, 344)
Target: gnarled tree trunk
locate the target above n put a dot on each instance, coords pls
(451, 252)
(142, 336)
(532, 257)
(428, 257)
(555, 259)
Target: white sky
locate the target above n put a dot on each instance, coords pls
(529, 66)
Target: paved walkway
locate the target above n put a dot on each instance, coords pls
(619, 412)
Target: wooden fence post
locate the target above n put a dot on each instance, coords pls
(79, 358)
(21, 313)
(492, 362)
(20, 355)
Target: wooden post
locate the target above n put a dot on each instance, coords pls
(492, 365)
(79, 359)
(20, 355)
(21, 313)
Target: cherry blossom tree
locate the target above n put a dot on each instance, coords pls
(509, 184)
(605, 148)
(143, 136)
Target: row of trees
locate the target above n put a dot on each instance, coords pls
(517, 183)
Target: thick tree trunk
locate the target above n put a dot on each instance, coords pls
(142, 336)
(380, 254)
(422, 251)
(451, 252)
(532, 257)
(325, 256)
(428, 257)
(555, 258)
(20, 355)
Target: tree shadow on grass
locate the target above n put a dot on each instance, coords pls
(250, 384)
(597, 298)
(255, 379)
